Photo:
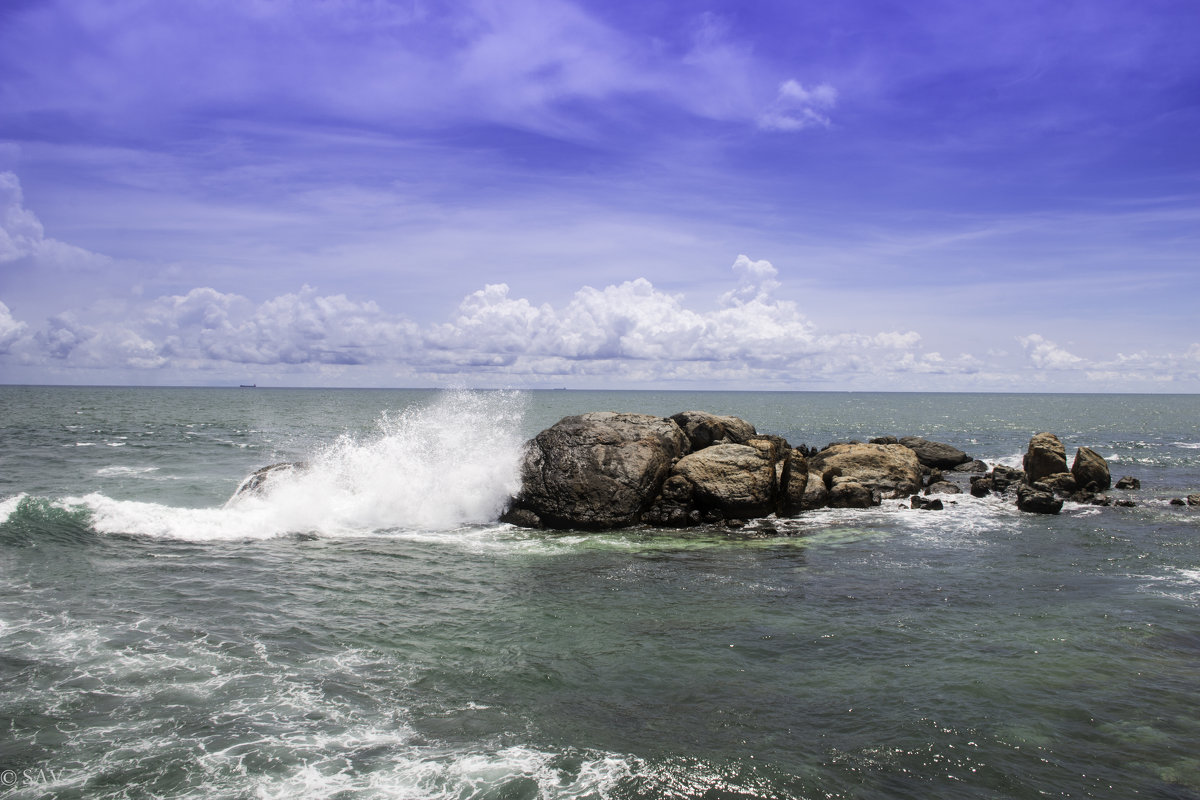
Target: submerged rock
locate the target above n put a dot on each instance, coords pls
(1193, 499)
(926, 504)
(256, 482)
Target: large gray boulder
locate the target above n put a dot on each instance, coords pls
(935, 454)
(1089, 467)
(891, 469)
(703, 429)
(1046, 456)
(595, 471)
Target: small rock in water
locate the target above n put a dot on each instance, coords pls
(1177, 501)
(925, 504)
(1128, 483)
(1193, 499)
(1037, 501)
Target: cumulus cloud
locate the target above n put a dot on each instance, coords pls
(796, 107)
(296, 328)
(1045, 354)
(634, 329)
(11, 330)
(630, 331)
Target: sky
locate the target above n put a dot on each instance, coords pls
(863, 195)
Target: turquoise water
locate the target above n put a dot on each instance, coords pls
(368, 631)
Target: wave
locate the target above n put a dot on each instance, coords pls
(451, 464)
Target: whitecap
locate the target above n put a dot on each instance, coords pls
(444, 467)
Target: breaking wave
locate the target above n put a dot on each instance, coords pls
(447, 465)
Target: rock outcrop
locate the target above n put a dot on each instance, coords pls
(893, 470)
(597, 470)
(609, 470)
(1046, 456)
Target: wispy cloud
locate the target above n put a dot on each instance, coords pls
(796, 108)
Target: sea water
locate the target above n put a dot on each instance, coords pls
(366, 629)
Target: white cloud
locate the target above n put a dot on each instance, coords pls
(11, 330)
(20, 231)
(796, 108)
(1045, 354)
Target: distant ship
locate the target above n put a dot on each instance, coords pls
(247, 386)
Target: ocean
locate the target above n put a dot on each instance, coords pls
(367, 630)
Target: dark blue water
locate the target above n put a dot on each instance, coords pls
(369, 632)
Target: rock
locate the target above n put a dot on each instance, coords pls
(981, 485)
(816, 492)
(1125, 503)
(256, 481)
(972, 466)
(935, 454)
(1004, 477)
(794, 482)
(597, 470)
(942, 487)
(703, 429)
(1089, 468)
(1046, 456)
(1035, 501)
(521, 517)
(1059, 482)
(674, 507)
(1102, 500)
(891, 469)
(934, 475)
(1177, 501)
(885, 440)
(1128, 483)
(925, 504)
(849, 493)
(733, 480)
(1193, 499)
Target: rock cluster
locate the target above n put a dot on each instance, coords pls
(1045, 482)
(607, 470)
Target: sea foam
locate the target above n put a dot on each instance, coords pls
(438, 467)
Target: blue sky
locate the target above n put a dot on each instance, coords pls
(541, 193)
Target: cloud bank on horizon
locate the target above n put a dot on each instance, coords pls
(992, 196)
